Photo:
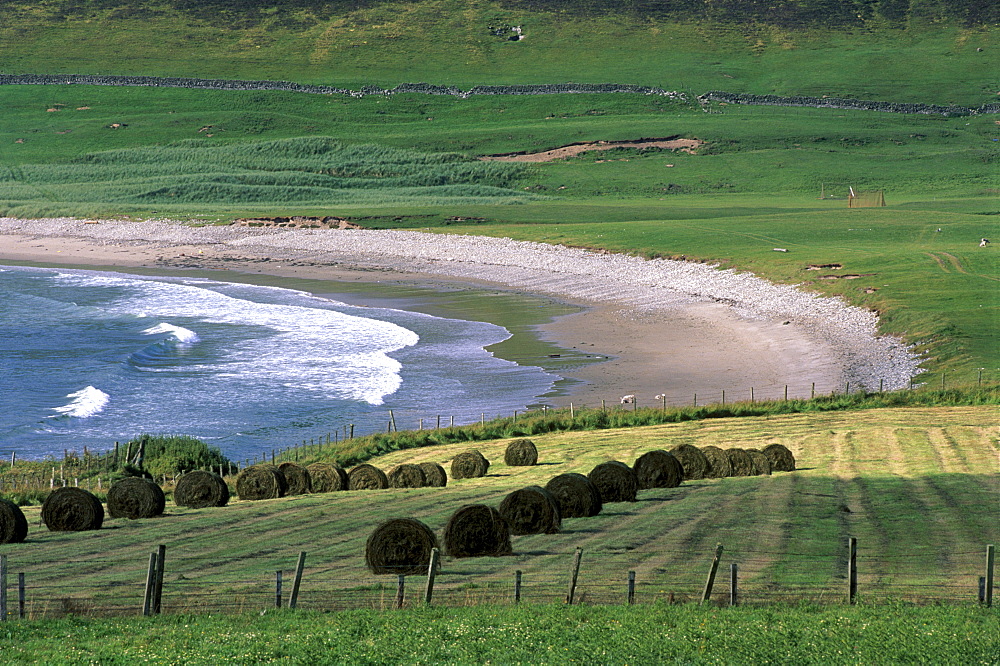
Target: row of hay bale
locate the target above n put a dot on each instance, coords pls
(711, 462)
(403, 545)
(72, 509)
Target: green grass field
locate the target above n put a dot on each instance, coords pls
(526, 635)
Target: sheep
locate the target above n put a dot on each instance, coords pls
(628, 399)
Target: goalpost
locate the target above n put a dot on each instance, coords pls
(856, 199)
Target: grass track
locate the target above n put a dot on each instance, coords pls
(922, 514)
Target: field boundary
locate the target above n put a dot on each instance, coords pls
(521, 89)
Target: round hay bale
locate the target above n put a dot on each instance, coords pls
(761, 464)
(615, 481)
(718, 463)
(577, 496)
(531, 510)
(434, 475)
(469, 465)
(259, 482)
(741, 462)
(134, 497)
(199, 489)
(521, 453)
(400, 546)
(692, 460)
(297, 478)
(367, 477)
(781, 458)
(406, 476)
(13, 524)
(72, 510)
(326, 478)
(658, 469)
(476, 530)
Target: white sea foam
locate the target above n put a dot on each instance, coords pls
(85, 402)
(317, 349)
(181, 334)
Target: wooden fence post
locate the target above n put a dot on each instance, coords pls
(630, 596)
(710, 581)
(990, 556)
(571, 413)
(20, 595)
(161, 556)
(400, 586)
(517, 586)
(723, 396)
(3, 588)
(277, 588)
(852, 570)
(574, 575)
(734, 571)
(299, 566)
(431, 574)
(147, 597)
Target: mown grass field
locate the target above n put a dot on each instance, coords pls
(918, 487)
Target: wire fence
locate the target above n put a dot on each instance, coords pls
(192, 584)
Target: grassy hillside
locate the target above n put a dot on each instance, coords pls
(917, 486)
(925, 53)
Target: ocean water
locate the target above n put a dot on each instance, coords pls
(88, 358)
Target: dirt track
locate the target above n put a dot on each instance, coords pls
(685, 145)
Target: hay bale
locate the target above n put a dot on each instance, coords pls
(134, 497)
(259, 482)
(367, 477)
(72, 510)
(692, 460)
(476, 530)
(297, 478)
(615, 480)
(761, 463)
(326, 478)
(434, 475)
(469, 465)
(741, 462)
(400, 546)
(199, 489)
(13, 524)
(577, 496)
(521, 453)
(718, 463)
(406, 476)
(781, 458)
(658, 469)
(531, 510)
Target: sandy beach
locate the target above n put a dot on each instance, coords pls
(659, 327)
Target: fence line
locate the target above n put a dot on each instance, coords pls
(594, 577)
(78, 467)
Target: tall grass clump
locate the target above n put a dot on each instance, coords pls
(173, 454)
(313, 171)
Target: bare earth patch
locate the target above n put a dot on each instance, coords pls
(573, 149)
